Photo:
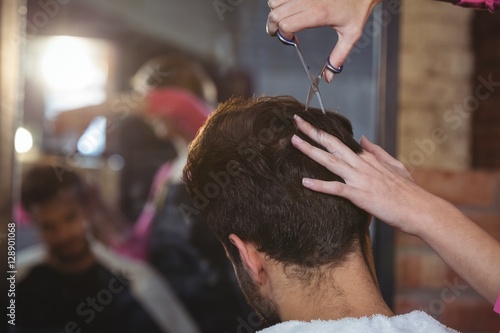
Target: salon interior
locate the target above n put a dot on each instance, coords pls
(421, 82)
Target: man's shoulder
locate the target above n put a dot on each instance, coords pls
(29, 260)
(416, 322)
(148, 288)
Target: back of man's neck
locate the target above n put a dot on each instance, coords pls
(345, 291)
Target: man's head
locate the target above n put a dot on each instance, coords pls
(54, 197)
(250, 174)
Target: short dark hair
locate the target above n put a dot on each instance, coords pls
(263, 201)
(43, 182)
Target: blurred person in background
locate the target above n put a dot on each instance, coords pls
(74, 283)
(173, 240)
(144, 151)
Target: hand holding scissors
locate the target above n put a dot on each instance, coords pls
(347, 18)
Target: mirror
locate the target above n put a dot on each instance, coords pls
(88, 66)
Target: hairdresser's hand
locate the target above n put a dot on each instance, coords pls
(382, 186)
(75, 121)
(348, 18)
(374, 181)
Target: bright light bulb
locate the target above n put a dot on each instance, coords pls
(23, 141)
(68, 64)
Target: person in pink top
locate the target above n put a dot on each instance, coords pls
(491, 5)
(176, 115)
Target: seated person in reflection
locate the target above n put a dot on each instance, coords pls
(303, 259)
(74, 284)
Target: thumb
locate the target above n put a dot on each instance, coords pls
(339, 54)
(376, 150)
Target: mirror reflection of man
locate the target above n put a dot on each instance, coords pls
(74, 284)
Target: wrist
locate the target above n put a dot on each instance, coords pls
(438, 215)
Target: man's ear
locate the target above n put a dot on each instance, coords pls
(370, 219)
(251, 258)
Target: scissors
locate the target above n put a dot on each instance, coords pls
(313, 80)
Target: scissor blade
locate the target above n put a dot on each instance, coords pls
(313, 80)
(306, 68)
(315, 89)
(309, 97)
(320, 102)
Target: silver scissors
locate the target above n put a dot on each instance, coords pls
(313, 80)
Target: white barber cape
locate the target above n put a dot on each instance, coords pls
(413, 322)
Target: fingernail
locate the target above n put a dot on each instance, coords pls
(296, 139)
(298, 118)
(329, 76)
(364, 138)
(307, 182)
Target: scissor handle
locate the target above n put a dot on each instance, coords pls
(292, 42)
(335, 70)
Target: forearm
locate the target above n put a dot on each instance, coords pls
(465, 247)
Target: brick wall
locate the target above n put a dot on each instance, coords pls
(423, 280)
(486, 119)
(436, 65)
